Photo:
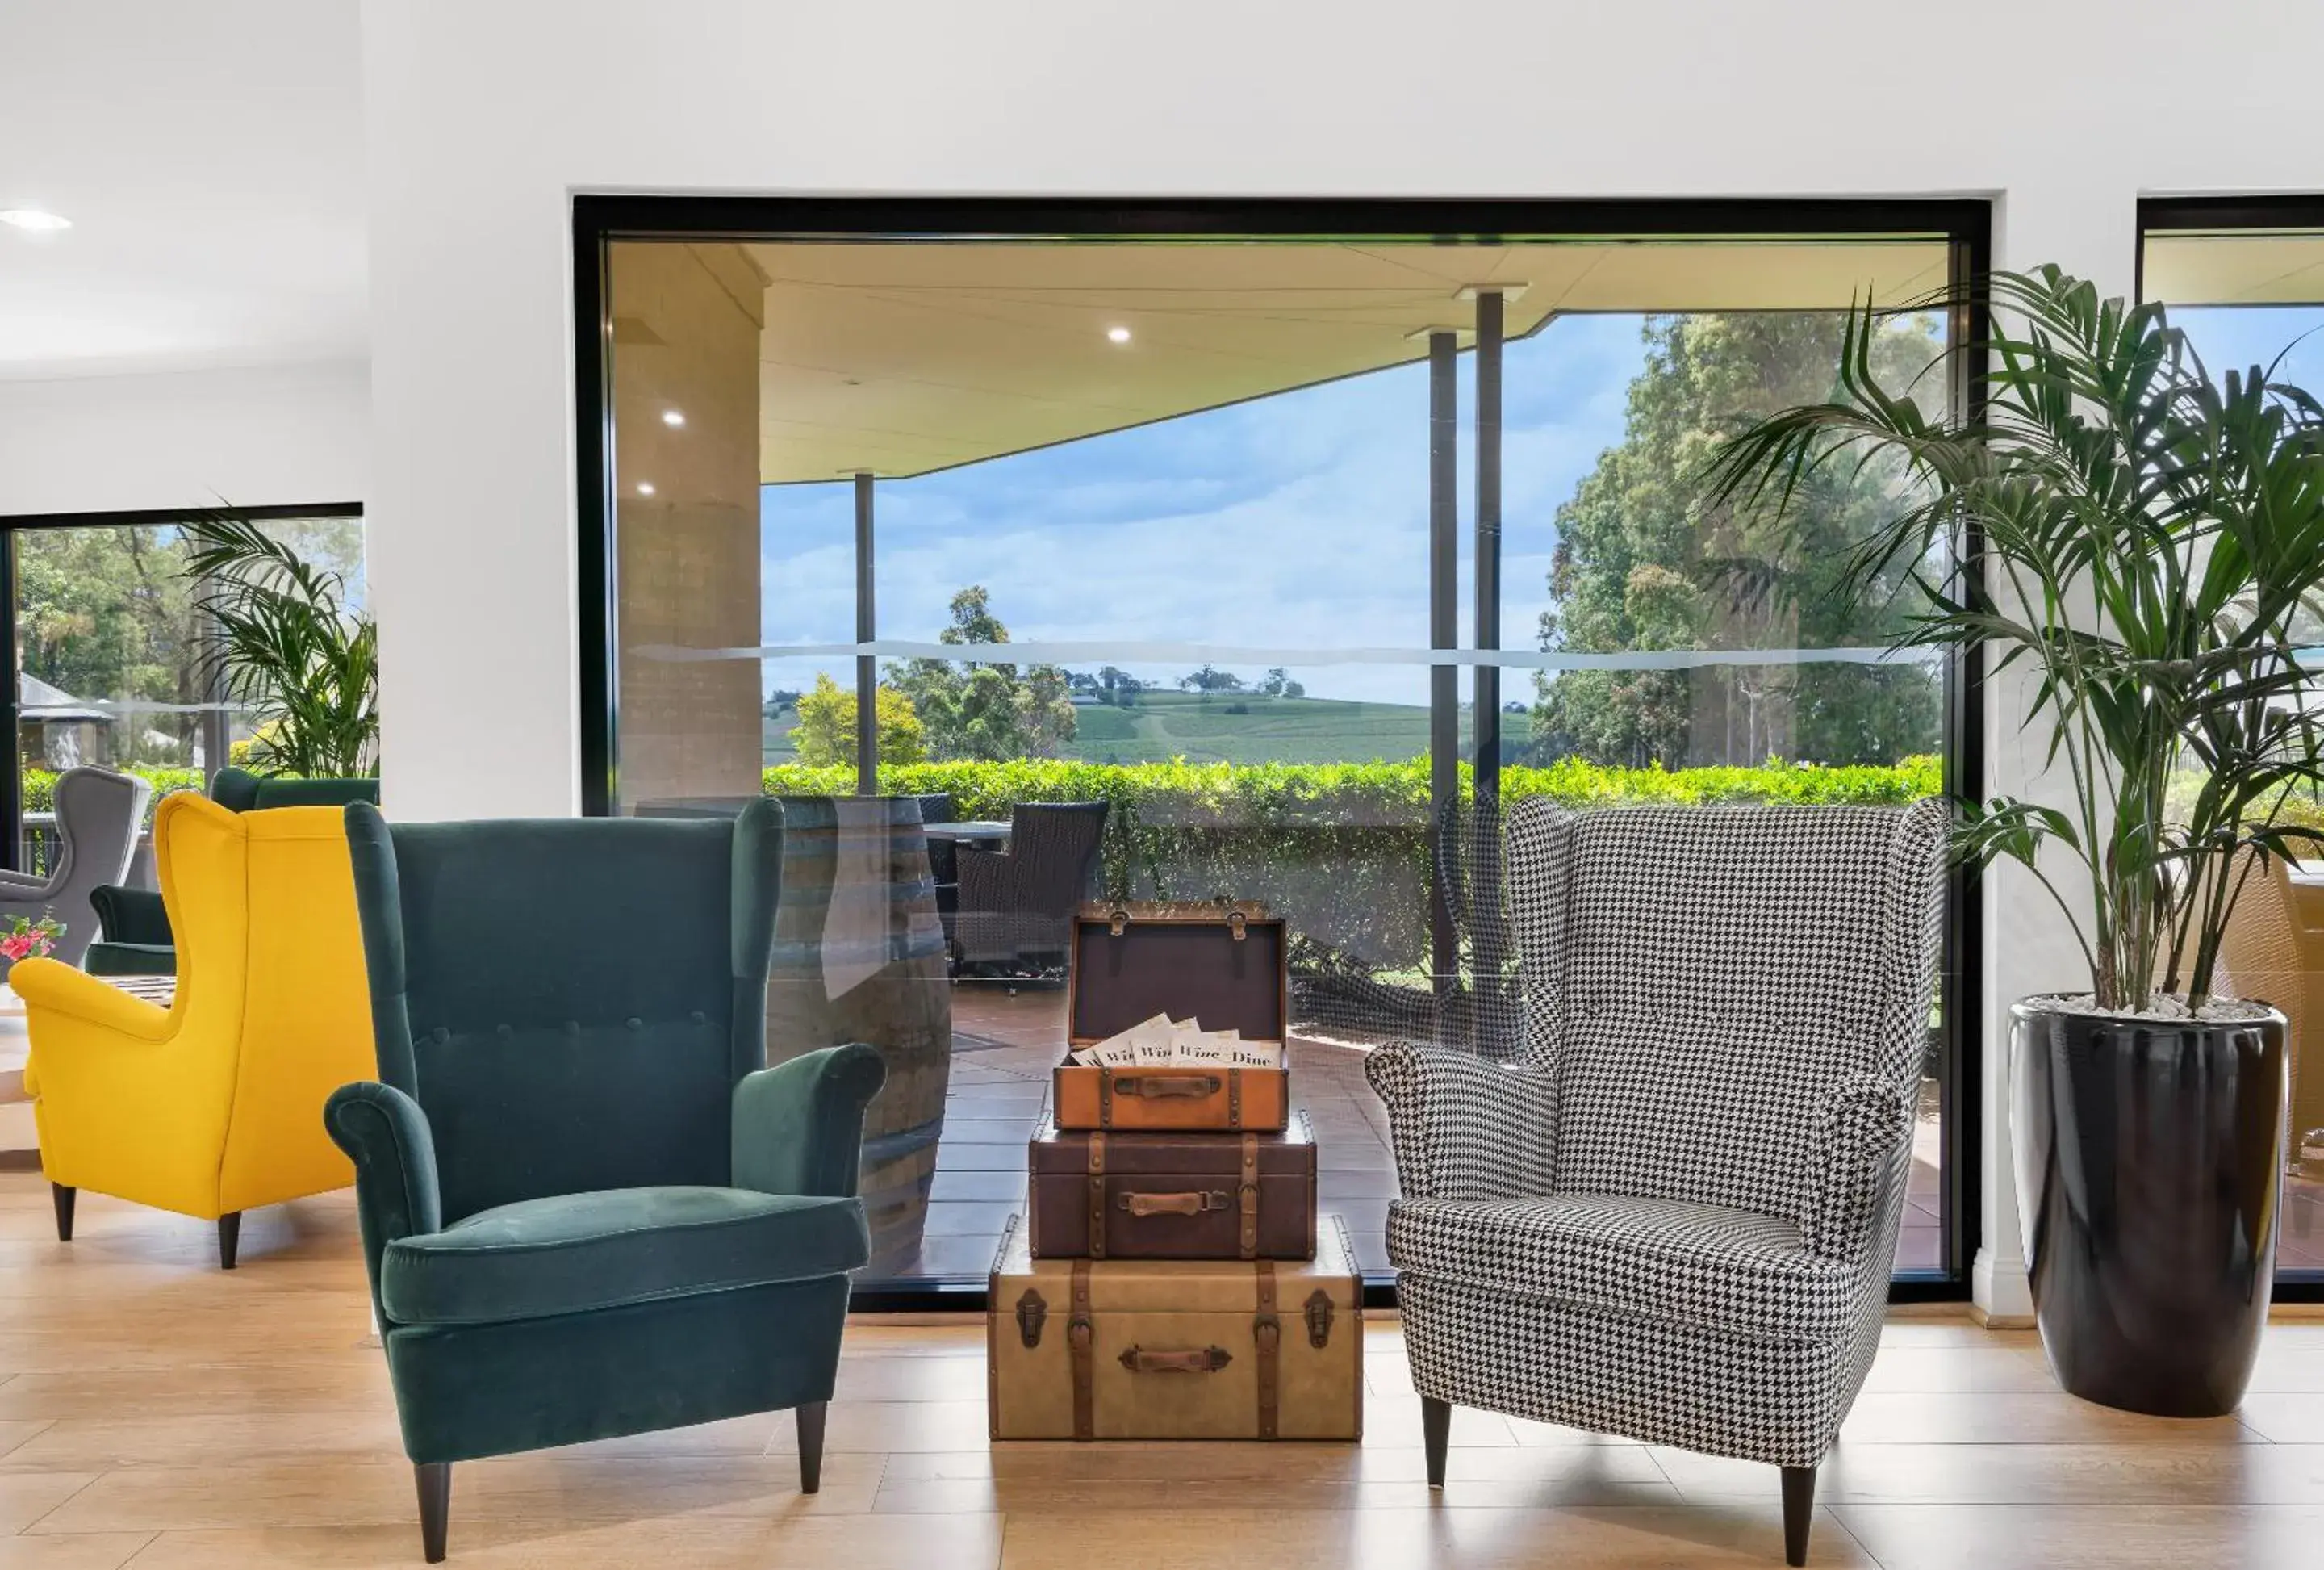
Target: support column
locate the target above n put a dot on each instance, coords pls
(867, 669)
(686, 459)
(1486, 679)
(1443, 632)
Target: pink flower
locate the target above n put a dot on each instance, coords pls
(17, 946)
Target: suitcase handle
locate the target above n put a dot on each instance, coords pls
(1195, 1360)
(1154, 1086)
(1143, 1205)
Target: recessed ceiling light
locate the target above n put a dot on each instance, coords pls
(1119, 335)
(34, 220)
(645, 487)
(673, 418)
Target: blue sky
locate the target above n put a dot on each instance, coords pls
(1297, 521)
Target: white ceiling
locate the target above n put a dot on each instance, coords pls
(210, 158)
(905, 358)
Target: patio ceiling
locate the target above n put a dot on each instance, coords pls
(902, 358)
(2238, 268)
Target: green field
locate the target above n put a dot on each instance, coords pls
(1232, 728)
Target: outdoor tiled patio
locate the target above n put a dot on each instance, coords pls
(1004, 1045)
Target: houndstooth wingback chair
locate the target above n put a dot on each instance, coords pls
(1674, 1218)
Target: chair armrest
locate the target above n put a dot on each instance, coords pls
(1864, 1135)
(1464, 1128)
(798, 1126)
(52, 986)
(385, 1133)
(131, 915)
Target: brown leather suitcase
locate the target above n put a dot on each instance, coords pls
(1222, 965)
(1134, 1196)
(1175, 1349)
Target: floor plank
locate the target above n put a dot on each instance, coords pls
(157, 1413)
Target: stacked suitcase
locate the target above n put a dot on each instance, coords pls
(1170, 1280)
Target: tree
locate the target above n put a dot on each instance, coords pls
(1211, 679)
(826, 733)
(986, 711)
(1118, 687)
(1641, 564)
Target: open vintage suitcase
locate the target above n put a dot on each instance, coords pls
(1136, 1196)
(1223, 965)
(1176, 1349)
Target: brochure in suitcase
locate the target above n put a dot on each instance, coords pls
(1176, 1349)
(1221, 967)
(1140, 1195)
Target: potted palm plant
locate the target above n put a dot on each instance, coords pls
(290, 647)
(2144, 546)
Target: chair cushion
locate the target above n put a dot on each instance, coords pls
(1736, 1271)
(573, 1252)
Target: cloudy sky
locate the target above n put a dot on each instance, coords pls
(1299, 520)
(1295, 521)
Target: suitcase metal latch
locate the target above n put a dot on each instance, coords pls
(1319, 1318)
(1118, 922)
(1032, 1313)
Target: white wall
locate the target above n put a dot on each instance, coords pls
(481, 120)
(266, 436)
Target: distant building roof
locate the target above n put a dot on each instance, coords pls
(37, 700)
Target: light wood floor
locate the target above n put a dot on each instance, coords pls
(157, 1412)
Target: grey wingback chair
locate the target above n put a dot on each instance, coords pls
(98, 814)
(1674, 1218)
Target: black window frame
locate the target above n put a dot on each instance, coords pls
(1964, 224)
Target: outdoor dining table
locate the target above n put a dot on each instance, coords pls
(986, 832)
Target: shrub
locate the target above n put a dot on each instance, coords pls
(1342, 848)
(40, 785)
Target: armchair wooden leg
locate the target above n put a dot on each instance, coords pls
(434, 1479)
(229, 1238)
(64, 1197)
(810, 1438)
(1799, 1509)
(1435, 1431)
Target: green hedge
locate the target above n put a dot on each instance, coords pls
(1342, 848)
(40, 785)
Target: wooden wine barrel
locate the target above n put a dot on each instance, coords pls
(860, 956)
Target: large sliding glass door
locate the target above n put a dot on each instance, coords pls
(1250, 536)
(2245, 279)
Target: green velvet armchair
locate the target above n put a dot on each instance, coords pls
(587, 1209)
(137, 940)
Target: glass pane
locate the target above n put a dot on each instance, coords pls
(1152, 530)
(112, 662)
(2237, 298)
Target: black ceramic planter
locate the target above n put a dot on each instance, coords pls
(2148, 1156)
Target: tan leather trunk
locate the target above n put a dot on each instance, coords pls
(1176, 1349)
(1223, 965)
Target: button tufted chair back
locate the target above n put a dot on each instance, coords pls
(570, 1001)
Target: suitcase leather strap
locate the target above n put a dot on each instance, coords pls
(1097, 1196)
(1080, 1333)
(1247, 1238)
(1267, 1331)
(1140, 1204)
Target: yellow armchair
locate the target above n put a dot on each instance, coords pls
(214, 1105)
